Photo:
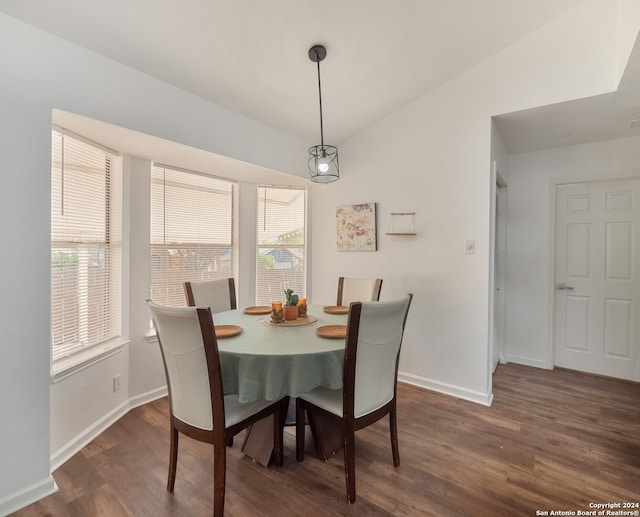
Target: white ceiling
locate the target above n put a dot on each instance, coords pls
(603, 117)
(251, 55)
(134, 143)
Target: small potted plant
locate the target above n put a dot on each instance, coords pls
(290, 306)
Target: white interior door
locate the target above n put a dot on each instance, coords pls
(597, 275)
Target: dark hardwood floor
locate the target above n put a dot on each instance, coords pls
(552, 440)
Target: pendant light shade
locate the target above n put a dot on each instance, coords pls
(323, 163)
(323, 159)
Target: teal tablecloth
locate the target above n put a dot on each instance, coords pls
(267, 362)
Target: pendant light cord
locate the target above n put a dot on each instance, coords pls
(323, 159)
(320, 97)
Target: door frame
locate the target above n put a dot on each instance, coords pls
(499, 355)
(551, 280)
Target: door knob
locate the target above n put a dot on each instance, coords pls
(564, 287)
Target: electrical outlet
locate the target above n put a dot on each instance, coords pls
(116, 383)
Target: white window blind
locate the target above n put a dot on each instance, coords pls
(86, 247)
(192, 225)
(281, 253)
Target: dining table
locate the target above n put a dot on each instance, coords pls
(265, 360)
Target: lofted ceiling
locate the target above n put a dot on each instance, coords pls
(592, 119)
(251, 55)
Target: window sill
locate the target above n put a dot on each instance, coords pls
(67, 366)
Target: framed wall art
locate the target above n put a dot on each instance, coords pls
(356, 227)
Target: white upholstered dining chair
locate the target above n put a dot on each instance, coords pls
(198, 407)
(374, 338)
(219, 295)
(358, 290)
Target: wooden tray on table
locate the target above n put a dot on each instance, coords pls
(300, 322)
(332, 331)
(257, 309)
(223, 331)
(336, 309)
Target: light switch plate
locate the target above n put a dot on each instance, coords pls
(469, 247)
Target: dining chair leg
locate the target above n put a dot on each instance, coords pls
(219, 477)
(393, 428)
(173, 458)
(350, 464)
(299, 431)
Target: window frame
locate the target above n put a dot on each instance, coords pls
(174, 295)
(67, 356)
(260, 298)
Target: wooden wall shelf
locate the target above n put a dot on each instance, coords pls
(401, 223)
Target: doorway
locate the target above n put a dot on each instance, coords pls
(596, 297)
(499, 261)
(497, 271)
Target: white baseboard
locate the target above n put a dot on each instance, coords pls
(90, 433)
(528, 361)
(28, 495)
(85, 437)
(149, 396)
(479, 397)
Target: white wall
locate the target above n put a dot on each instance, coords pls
(434, 157)
(247, 218)
(145, 363)
(499, 154)
(628, 27)
(84, 404)
(39, 73)
(529, 226)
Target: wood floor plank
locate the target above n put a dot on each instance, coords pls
(552, 440)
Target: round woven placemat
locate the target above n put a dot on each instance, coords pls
(336, 309)
(294, 323)
(332, 331)
(257, 309)
(223, 331)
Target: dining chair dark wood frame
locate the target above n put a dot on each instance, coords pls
(191, 302)
(220, 435)
(375, 295)
(348, 423)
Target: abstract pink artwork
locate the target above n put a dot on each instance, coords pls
(356, 227)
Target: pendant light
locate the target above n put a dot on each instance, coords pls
(323, 159)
